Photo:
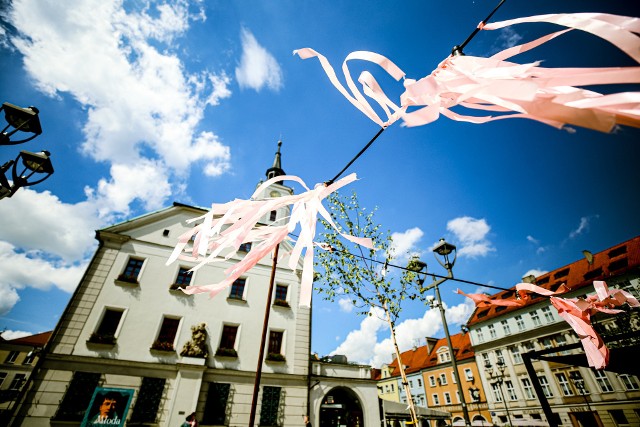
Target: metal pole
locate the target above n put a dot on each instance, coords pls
(544, 403)
(265, 327)
(452, 355)
(506, 407)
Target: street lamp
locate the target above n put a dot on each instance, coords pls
(444, 250)
(579, 382)
(20, 119)
(33, 163)
(498, 378)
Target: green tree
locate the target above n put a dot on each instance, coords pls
(347, 270)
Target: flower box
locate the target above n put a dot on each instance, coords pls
(275, 357)
(128, 279)
(226, 352)
(281, 303)
(107, 339)
(162, 346)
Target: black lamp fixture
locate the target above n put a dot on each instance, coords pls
(445, 249)
(20, 119)
(32, 163)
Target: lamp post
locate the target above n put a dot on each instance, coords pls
(444, 250)
(24, 120)
(474, 392)
(498, 378)
(579, 382)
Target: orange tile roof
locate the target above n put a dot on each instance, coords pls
(615, 261)
(420, 358)
(37, 340)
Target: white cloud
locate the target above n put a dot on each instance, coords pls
(404, 243)
(533, 240)
(142, 104)
(12, 335)
(535, 272)
(258, 68)
(472, 234)
(346, 304)
(8, 298)
(585, 223)
(361, 345)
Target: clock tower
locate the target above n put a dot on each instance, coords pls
(277, 189)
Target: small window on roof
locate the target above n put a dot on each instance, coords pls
(590, 275)
(165, 233)
(618, 251)
(482, 313)
(507, 294)
(541, 282)
(555, 286)
(500, 308)
(561, 273)
(618, 264)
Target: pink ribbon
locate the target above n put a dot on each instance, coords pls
(226, 226)
(576, 312)
(550, 96)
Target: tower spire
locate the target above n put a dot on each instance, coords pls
(276, 169)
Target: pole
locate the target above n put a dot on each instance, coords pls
(265, 327)
(506, 408)
(452, 355)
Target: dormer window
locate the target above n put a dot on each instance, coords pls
(273, 215)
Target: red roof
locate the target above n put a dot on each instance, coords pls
(420, 358)
(37, 340)
(615, 261)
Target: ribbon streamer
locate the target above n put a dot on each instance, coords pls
(226, 226)
(576, 312)
(547, 95)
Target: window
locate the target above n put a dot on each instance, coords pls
(3, 376)
(237, 289)
(432, 381)
(228, 341)
(453, 377)
(131, 271)
(535, 318)
(618, 416)
(457, 396)
(410, 383)
(548, 315)
(492, 331)
(576, 378)
(443, 355)
(167, 334)
(499, 357)
(603, 381)
(547, 343)
(281, 296)
(392, 388)
(148, 401)
(77, 397)
(546, 389)
(485, 358)
(275, 342)
(443, 379)
(563, 382)
(468, 374)
(273, 215)
(183, 279)
(515, 353)
(528, 346)
(480, 335)
(511, 391)
(11, 358)
(30, 357)
(245, 247)
(436, 400)
(630, 381)
(269, 407)
(520, 323)
(528, 388)
(497, 395)
(447, 398)
(215, 409)
(505, 327)
(108, 327)
(17, 382)
(419, 382)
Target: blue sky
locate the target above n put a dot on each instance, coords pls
(145, 103)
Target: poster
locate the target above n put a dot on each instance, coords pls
(108, 407)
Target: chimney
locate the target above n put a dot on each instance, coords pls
(431, 342)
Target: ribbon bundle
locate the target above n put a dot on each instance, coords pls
(548, 95)
(576, 312)
(226, 226)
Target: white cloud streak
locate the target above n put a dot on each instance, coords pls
(258, 68)
(404, 243)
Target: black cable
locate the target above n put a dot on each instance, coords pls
(332, 180)
(457, 50)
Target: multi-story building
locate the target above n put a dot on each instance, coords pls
(388, 384)
(441, 388)
(129, 327)
(18, 356)
(577, 394)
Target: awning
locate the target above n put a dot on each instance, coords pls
(401, 411)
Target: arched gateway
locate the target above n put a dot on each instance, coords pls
(341, 408)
